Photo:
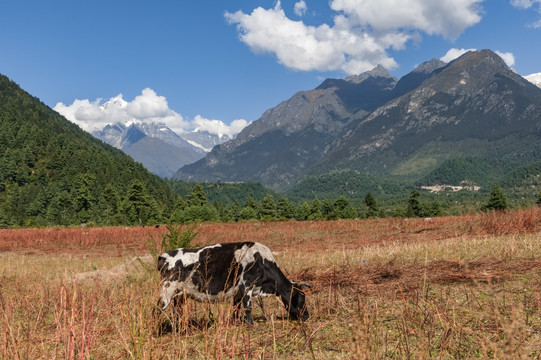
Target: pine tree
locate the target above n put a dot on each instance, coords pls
(343, 208)
(197, 197)
(372, 206)
(268, 207)
(315, 209)
(497, 200)
(136, 205)
(327, 209)
(250, 202)
(414, 206)
(284, 208)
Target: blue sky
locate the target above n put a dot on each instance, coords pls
(218, 65)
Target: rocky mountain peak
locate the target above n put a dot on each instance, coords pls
(377, 72)
(481, 60)
(429, 66)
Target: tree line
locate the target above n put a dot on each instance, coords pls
(83, 205)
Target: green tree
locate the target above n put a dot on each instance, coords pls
(233, 212)
(497, 200)
(112, 205)
(136, 205)
(371, 204)
(327, 209)
(197, 197)
(343, 209)
(303, 212)
(250, 202)
(248, 213)
(414, 205)
(284, 208)
(315, 209)
(267, 209)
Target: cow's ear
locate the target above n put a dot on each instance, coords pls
(301, 284)
(161, 265)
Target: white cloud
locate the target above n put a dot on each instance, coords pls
(147, 107)
(362, 33)
(508, 57)
(526, 4)
(300, 8)
(218, 127)
(448, 18)
(303, 47)
(94, 115)
(454, 53)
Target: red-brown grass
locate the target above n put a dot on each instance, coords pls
(449, 287)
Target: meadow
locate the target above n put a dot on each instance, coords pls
(440, 288)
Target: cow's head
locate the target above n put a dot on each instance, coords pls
(169, 283)
(297, 303)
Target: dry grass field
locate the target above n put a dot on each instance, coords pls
(442, 288)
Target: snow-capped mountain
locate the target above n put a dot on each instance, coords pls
(157, 147)
(534, 78)
(160, 149)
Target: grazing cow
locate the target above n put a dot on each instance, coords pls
(241, 271)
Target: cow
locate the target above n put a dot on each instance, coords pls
(242, 271)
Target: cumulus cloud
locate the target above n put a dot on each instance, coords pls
(508, 57)
(453, 53)
(303, 47)
(448, 18)
(360, 36)
(148, 107)
(526, 4)
(218, 127)
(300, 8)
(94, 115)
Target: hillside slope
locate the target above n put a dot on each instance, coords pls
(54, 173)
(475, 106)
(291, 137)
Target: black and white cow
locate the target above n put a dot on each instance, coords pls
(241, 271)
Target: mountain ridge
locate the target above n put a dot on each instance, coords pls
(381, 124)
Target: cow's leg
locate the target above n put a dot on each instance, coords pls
(243, 300)
(247, 304)
(237, 303)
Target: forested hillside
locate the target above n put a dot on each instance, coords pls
(54, 173)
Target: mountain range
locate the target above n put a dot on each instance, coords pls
(377, 125)
(161, 150)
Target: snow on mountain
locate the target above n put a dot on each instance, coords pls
(157, 147)
(116, 102)
(534, 78)
(205, 140)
